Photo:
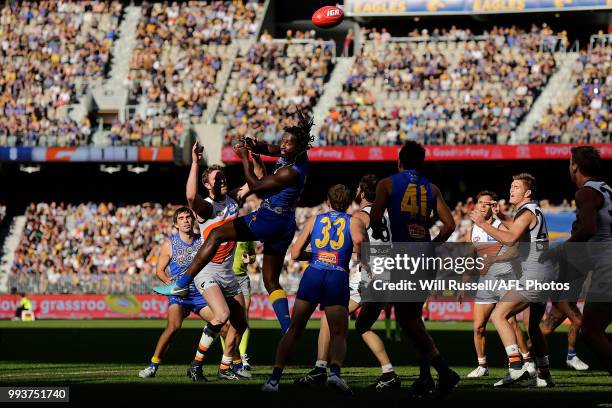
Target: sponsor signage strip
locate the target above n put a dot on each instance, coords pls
(440, 153)
(156, 307)
(437, 7)
(112, 154)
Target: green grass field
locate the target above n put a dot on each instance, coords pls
(100, 360)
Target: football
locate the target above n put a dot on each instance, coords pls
(328, 16)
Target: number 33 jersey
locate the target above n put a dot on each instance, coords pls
(331, 242)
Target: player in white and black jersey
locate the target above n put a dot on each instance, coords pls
(594, 225)
(497, 268)
(528, 230)
(366, 192)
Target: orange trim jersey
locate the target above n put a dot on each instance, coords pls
(223, 211)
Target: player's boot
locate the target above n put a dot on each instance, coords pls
(480, 371)
(147, 372)
(171, 289)
(446, 383)
(245, 362)
(531, 368)
(227, 374)
(195, 373)
(317, 376)
(577, 364)
(387, 381)
(270, 386)
(422, 387)
(241, 372)
(513, 376)
(339, 385)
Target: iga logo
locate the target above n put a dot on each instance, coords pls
(333, 13)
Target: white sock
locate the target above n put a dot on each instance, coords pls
(525, 355)
(321, 364)
(387, 368)
(482, 360)
(512, 349)
(226, 361)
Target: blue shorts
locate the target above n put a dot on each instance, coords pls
(274, 230)
(325, 287)
(192, 303)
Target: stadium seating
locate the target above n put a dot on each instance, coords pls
(180, 51)
(587, 117)
(50, 53)
(269, 80)
(456, 89)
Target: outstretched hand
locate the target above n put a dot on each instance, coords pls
(196, 153)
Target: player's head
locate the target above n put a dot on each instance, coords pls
(485, 201)
(411, 156)
(523, 188)
(183, 219)
(366, 190)
(22, 294)
(339, 197)
(214, 180)
(585, 161)
(297, 139)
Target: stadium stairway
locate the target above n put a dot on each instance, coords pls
(11, 241)
(223, 78)
(560, 91)
(112, 95)
(333, 88)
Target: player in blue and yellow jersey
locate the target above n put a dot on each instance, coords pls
(333, 236)
(273, 223)
(176, 255)
(411, 201)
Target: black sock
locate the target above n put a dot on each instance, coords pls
(424, 368)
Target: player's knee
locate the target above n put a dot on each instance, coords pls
(479, 328)
(173, 327)
(271, 283)
(221, 316)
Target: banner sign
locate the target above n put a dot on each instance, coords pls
(439, 153)
(156, 307)
(110, 154)
(437, 7)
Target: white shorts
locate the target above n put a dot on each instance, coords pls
(245, 285)
(227, 282)
(541, 273)
(490, 296)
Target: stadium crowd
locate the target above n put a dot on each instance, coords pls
(445, 88)
(50, 53)
(109, 249)
(587, 118)
(179, 52)
(270, 80)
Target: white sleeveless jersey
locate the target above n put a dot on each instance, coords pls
(481, 239)
(479, 236)
(539, 233)
(223, 211)
(604, 215)
(533, 241)
(361, 274)
(386, 230)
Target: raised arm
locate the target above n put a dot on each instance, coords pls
(506, 237)
(445, 216)
(165, 254)
(297, 249)
(270, 183)
(196, 202)
(261, 147)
